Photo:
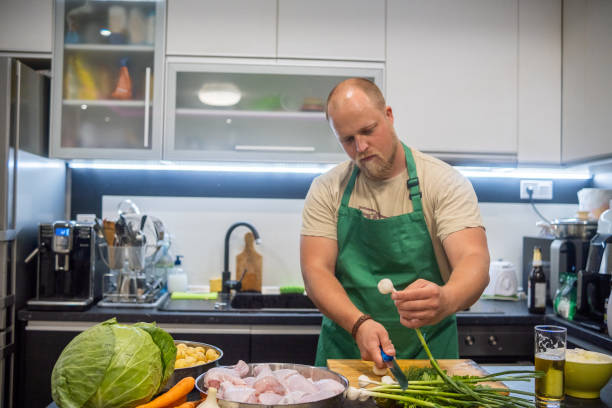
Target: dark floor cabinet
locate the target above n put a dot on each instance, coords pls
(298, 349)
(41, 345)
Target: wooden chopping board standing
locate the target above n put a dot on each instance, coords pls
(250, 261)
(352, 369)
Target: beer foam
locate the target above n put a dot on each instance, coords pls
(578, 355)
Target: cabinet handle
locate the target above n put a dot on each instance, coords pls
(146, 113)
(275, 148)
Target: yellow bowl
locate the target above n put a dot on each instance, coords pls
(586, 378)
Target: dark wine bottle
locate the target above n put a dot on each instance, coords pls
(536, 286)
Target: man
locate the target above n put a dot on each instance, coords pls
(389, 212)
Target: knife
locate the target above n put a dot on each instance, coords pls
(395, 370)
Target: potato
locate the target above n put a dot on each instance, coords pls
(211, 354)
(187, 356)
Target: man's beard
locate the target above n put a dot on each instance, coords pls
(378, 168)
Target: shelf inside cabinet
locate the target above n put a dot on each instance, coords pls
(250, 113)
(110, 47)
(103, 102)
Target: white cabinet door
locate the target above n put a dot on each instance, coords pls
(245, 28)
(587, 80)
(339, 29)
(452, 74)
(539, 82)
(26, 25)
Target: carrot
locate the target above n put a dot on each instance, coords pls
(188, 404)
(171, 397)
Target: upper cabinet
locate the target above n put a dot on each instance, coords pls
(587, 80)
(317, 29)
(238, 28)
(539, 82)
(339, 29)
(26, 25)
(452, 75)
(254, 111)
(107, 79)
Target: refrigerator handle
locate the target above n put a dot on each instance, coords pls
(146, 112)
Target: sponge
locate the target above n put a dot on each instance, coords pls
(291, 289)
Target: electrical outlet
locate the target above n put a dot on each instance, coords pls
(542, 189)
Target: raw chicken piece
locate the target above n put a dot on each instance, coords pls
(262, 370)
(241, 368)
(283, 373)
(291, 397)
(297, 382)
(329, 385)
(317, 396)
(238, 393)
(250, 381)
(215, 376)
(269, 398)
(268, 383)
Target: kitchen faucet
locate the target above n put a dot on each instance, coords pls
(226, 284)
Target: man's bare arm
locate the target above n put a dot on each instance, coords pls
(424, 303)
(318, 261)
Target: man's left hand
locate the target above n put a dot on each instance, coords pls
(422, 303)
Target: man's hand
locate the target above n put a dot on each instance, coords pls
(422, 303)
(370, 336)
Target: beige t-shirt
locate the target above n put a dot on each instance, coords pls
(449, 201)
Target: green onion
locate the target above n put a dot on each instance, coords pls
(455, 391)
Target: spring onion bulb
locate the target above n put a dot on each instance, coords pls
(387, 380)
(385, 286)
(379, 371)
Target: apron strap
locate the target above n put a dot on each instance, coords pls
(413, 181)
(349, 187)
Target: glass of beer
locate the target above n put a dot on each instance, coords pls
(550, 343)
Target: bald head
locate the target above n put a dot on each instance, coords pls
(345, 90)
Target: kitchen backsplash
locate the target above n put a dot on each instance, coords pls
(198, 226)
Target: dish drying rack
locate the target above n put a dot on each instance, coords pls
(130, 248)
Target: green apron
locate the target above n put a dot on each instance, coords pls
(398, 248)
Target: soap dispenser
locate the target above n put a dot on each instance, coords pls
(177, 278)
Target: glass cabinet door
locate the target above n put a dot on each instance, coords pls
(254, 112)
(107, 73)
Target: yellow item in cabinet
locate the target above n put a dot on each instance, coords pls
(87, 86)
(71, 85)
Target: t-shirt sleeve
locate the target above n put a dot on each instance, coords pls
(456, 206)
(319, 216)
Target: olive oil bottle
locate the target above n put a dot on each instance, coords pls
(536, 286)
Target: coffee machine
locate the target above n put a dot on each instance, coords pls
(570, 248)
(593, 284)
(68, 273)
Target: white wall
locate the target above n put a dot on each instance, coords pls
(198, 227)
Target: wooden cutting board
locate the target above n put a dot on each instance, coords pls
(352, 369)
(250, 261)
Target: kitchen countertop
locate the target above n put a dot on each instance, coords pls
(484, 312)
(569, 402)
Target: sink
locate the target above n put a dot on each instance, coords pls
(244, 301)
(293, 301)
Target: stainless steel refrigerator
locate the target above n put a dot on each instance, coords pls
(32, 190)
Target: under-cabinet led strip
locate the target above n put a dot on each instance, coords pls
(470, 172)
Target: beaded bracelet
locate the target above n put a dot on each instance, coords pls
(358, 323)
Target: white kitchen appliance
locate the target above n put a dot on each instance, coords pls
(503, 280)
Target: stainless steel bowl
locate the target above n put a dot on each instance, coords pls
(193, 371)
(573, 228)
(316, 373)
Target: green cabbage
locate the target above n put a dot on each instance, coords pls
(113, 366)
